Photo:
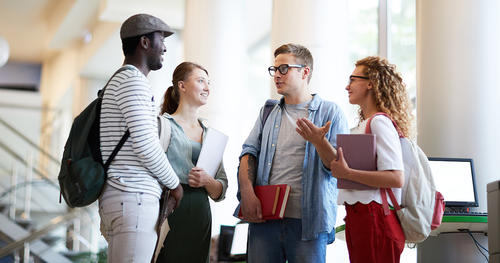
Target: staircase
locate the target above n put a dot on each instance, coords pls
(30, 211)
(21, 236)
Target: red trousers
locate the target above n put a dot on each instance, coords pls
(372, 236)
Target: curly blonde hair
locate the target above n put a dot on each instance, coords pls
(390, 92)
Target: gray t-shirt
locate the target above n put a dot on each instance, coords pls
(288, 159)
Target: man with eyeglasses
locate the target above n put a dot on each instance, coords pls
(275, 153)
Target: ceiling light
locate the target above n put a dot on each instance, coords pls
(87, 36)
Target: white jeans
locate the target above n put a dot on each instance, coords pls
(128, 222)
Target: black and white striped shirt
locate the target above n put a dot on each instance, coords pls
(140, 165)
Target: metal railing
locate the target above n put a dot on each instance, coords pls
(66, 218)
(30, 142)
(53, 224)
(22, 160)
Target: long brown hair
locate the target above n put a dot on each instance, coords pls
(389, 90)
(172, 97)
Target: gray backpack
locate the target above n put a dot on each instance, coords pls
(422, 206)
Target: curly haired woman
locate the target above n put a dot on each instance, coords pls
(376, 87)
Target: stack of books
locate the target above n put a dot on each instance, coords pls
(273, 199)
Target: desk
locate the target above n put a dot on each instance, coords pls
(447, 244)
(453, 223)
(340, 232)
(449, 224)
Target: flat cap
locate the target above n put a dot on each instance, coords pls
(141, 24)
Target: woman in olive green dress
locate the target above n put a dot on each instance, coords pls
(190, 223)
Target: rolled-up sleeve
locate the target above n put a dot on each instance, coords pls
(339, 126)
(221, 177)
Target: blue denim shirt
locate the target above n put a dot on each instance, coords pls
(319, 188)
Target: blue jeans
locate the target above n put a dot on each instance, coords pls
(128, 222)
(277, 241)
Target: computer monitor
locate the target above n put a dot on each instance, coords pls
(232, 243)
(240, 236)
(454, 178)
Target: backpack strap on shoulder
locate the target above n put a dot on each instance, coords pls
(100, 93)
(268, 107)
(385, 191)
(164, 132)
(368, 128)
(125, 136)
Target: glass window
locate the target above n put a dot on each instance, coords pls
(403, 42)
(363, 30)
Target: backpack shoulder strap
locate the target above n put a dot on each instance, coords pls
(100, 93)
(116, 150)
(164, 132)
(385, 191)
(268, 107)
(368, 128)
(125, 136)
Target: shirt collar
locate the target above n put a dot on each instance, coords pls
(314, 105)
(202, 121)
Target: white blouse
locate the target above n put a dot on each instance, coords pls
(389, 157)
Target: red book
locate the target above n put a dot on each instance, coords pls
(273, 199)
(360, 153)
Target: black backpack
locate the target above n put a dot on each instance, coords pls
(83, 174)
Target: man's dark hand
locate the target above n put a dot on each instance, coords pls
(171, 204)
(177, 194)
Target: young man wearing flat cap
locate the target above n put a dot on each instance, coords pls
(129, 204)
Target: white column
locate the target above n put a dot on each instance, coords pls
(214, 38)
(321, 26)
(457, 82)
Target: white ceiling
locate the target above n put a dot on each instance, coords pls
(22, 25)
(35, 29)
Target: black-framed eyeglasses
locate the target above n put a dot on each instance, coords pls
(352, 77)
(283, 68)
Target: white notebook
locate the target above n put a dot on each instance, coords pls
(212, 151)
